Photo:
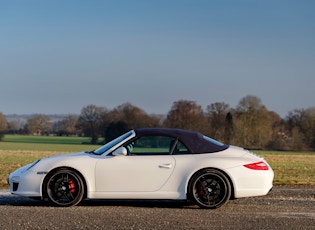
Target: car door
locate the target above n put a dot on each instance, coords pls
(146, 168)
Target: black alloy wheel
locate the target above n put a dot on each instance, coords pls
(210, 189)
(64, 188)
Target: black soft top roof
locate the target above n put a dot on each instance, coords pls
(194, 141)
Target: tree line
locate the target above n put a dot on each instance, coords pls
(250, 124)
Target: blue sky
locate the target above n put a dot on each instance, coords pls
(59, 56)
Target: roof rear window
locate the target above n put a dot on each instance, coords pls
(213, 141)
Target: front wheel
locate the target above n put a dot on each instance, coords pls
(64, 188)
(210, 189)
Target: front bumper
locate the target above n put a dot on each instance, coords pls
(26, 183)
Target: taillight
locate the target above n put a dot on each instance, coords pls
(257, 166)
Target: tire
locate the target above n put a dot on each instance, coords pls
(209, 188)
(64, 188)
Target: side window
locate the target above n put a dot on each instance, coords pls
(150, 145)
(180, 148)
(155, 145)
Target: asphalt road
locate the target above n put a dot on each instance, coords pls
(286, 207)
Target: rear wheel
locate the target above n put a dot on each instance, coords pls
(210, 189)
(65, 188)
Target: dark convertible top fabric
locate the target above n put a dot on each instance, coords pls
(194, 141)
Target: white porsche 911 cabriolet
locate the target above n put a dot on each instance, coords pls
(148, 163)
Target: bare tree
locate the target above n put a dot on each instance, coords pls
(115, 129)
(253, 126)
(186, 114)
(3, 126)
(125, 117)
(90, 121)
(301, 124)
(310, 135)
(133, 116)
(249, 103)
(38, 125)
(297, 140)
(13, 128)
(280, 136)
(216, 114)
(67, 126)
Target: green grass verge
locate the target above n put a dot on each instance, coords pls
(292, 168)
(279, 153)
(45, 147)
(46, 143)
(46, 139)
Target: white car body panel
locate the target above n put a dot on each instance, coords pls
(133, 173)
(146, 177)
(122, 179)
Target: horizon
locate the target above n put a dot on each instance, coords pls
(162, 114)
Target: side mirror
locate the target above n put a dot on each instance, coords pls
(121, 151)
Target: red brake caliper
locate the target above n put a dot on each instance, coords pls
(71, 186)
(200, 189)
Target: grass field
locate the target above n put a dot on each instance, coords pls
(292, 168)
(45, 139)
(18, 150)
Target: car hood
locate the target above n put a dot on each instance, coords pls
(78, 154)
(66, 160)
(70, 157)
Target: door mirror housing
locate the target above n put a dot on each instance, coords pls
(121, 151)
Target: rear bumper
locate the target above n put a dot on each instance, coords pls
(252, 182)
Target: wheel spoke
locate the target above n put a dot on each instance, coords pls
(210, 190)
(65, 188)
(70, 196)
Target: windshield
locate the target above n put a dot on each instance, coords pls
(213, 141)
(112, 143)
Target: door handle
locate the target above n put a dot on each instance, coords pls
(165, 166)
